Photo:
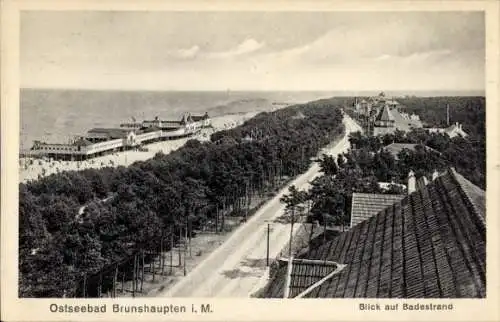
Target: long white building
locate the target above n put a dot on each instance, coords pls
(99, 141)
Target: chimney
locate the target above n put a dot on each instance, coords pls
(412, 182)
(435, 174)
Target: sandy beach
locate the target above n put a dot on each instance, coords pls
(33, 169)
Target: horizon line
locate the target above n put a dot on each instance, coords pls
(410, 91)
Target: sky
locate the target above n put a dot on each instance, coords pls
(252, 50)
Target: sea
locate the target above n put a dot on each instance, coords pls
(60, 115)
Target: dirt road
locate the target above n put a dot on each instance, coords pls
(238, 267)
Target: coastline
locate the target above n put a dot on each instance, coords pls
(33, 168)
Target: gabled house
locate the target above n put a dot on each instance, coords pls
(452, 130)
(366, 205)
(396, 148)
(384, 122)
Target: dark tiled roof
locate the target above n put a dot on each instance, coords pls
(150, 129)
(403, 124)
(422, 182)
(200, 117)
(474, 194)
(82, 142)
(111, 132)
(292, 281)
(385, 115)
(304, 275)
(454, 130)
(276, 285)
(395, 148)
(366, 205)
(431, 244)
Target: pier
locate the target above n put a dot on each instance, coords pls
(100, 141)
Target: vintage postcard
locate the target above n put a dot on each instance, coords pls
(233, 160)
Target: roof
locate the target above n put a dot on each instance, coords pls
(131, 125)
(276, 286)
(455, 130)
(451, 131)
(403, 124)
(475, 195)
(396, 148)
(421, 182)
(150, 129)
(431, 244)
(387, 185)
(200, 117)
(385, 115)
(186, 118)
(106, 130)
(82, 142)
(162, 121)
(112, 132)
(295, 277)
(366, 205)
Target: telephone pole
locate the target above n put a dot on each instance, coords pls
(185, 248)
(291, 232)
(268, 233)
(246, 199)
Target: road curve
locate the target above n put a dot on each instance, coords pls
(237, 268)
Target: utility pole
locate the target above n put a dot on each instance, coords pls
(99, 286)
(302, 157)
(85, 285)
(142, 269)
(190, 227)
(281, 169)
(291, 233)
(171, 249)
(134, 281)
(162, 256)
(268, 233)
(324, 229)
(115, 278)
(246, 200)
(185, 248)
(179, 252)
(216, 218)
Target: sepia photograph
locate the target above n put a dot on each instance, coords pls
(250, 154)
(148, 169)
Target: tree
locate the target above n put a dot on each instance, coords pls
(328, 165)
(340, 161)
(167, 191)
(292, 200)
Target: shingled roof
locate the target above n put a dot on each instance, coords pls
(197, 118)
(366, 205)
(385, 115)
(431, 244)
(114, 133)
(296, 277)
(396, 148)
